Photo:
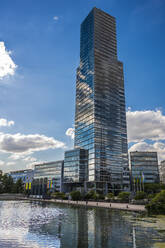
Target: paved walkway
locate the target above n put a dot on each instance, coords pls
(121, 206)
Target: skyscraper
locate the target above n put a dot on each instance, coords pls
(100, 118)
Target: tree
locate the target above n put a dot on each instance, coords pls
(58, 195)
(91, 195)
(157, 204)
(75, 195)
(151, 188)
(140, 195)
(18, 187)
(124, 196)
(7, 184)
(110, 196)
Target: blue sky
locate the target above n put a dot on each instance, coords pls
(43, 40)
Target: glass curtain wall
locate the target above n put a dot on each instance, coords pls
(100, 120)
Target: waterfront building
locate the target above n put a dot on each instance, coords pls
(75, 169)
(25, 175)
(162, 171)
(48, 176)
(144, 167)
(100, 118)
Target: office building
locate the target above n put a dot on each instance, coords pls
(162, 171)
(100, 118)
(25, 175)
(144, 166)
(48, 177)
(75, 169)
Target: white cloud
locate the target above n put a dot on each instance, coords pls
(25, 144)
(10, 163)
(6, 123)
(7, 66)
(70, 132)
(30, 159)
(147, 130)
(145, 125)
(17, 156)
(2, 163)
(56, 18)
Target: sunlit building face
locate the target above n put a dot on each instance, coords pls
(100, 119)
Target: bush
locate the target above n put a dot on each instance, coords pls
(75, 195)
(59, 195)
(124, 196)
(157, 204)
(140, 195)
(100, 197)
(110, 196)
(151, 196)
(91, 195)
(151, 188)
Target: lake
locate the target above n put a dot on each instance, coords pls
(25, 224)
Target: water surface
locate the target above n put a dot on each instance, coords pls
(39, 225)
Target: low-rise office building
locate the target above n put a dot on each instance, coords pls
(144, 167)
(75, 169)
(162, 171)
(25, 175)
(48, 177)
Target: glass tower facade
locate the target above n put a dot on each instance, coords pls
(75, 166)
(100, 117)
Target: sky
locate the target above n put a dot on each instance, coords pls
(39, 54)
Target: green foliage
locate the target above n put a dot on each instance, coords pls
(8, 184)
(124, 196)
(75, 195)
(150, 196)
(157, 204)
(101, 196)
(140, 195)
(18, 187)
(110, 196)
(91, 195)
(151, 188)
(59, 195)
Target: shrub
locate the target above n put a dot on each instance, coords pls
(151, 196)
(91, 195)
(124, 196)
(100, 196)
(157, 204)
(59, 195)
(110, 196)
(140, 195)
(75, 195)
(151, 188)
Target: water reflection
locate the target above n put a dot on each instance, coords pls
(36, 225)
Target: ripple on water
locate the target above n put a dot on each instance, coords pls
(39, 225)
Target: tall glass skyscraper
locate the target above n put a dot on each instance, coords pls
(100, 118)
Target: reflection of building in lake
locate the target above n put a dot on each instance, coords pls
(48, 176)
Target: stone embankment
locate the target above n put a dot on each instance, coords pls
(120, 206)
(11, 197)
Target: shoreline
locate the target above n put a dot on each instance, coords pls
(109, 205)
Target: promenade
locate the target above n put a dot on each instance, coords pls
(120, 206)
